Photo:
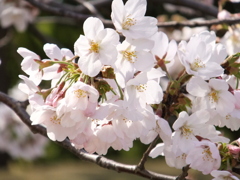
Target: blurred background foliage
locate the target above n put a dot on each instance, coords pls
(58, 163)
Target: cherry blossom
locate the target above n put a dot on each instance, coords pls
(133, 56)
(144, 89)
(96, 48)
(204, 157)
(129, 19)
(47, 116)
(201, 56)
(212, 95)
(112, 93)
(19, 14)
(223, 175)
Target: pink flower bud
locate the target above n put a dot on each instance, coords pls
(234, 150)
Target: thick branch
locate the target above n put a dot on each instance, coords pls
(99, 160)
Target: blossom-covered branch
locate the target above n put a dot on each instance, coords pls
(18, 108)
(110, 92)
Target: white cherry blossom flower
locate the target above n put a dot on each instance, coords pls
(177, 160)
(144, 89)
(81, 96)
(46, 115)
(230, 120)
(162, 129)
(201, 56)
(29, 64)
(133, 56)
(96, 48)
(17, 14)
(212, 95)
(163, 48)
(231, 41)
(204, 157)
(23, 143)
(129, 19)
(187, 128)
(223, 175)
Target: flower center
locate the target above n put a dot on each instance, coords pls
(186, 131)
(207, 155)
(141, 87)
(128, 22)
(80, 93)
(228, 178)
(183, 156)
(197, 64)
(94, 47)
(213, 96)
(129, 55)
(55, 120)
(228, 117)
(234, 39)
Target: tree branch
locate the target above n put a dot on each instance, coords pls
(61, 11)
(17, 107)
(140, 165)
(211, 22)
(203, 8)
(81, 17)
(91, 8)
(184, 173)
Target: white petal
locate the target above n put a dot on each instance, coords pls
(53, 51)
(198, 87)
(92, 26)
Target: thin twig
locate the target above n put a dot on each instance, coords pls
(99, 160)
(211, 22)
(184, 173)
(142, 162)
(197, 5)
(61, 11)
(91, 8)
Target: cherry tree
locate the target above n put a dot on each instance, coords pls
(125, 80)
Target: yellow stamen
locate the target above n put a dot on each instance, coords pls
(186, 131)
(197, 64)
(141, 87)
(80, 93)
(207, 155)
(129, 55)
(55, 120)
(213, 96)
(94, 47)
(128, 23)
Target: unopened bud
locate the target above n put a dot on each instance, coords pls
(108, 72)
(102, 86)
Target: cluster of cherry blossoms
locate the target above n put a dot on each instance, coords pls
(107, 93)
(17, 13)
(16, 138)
